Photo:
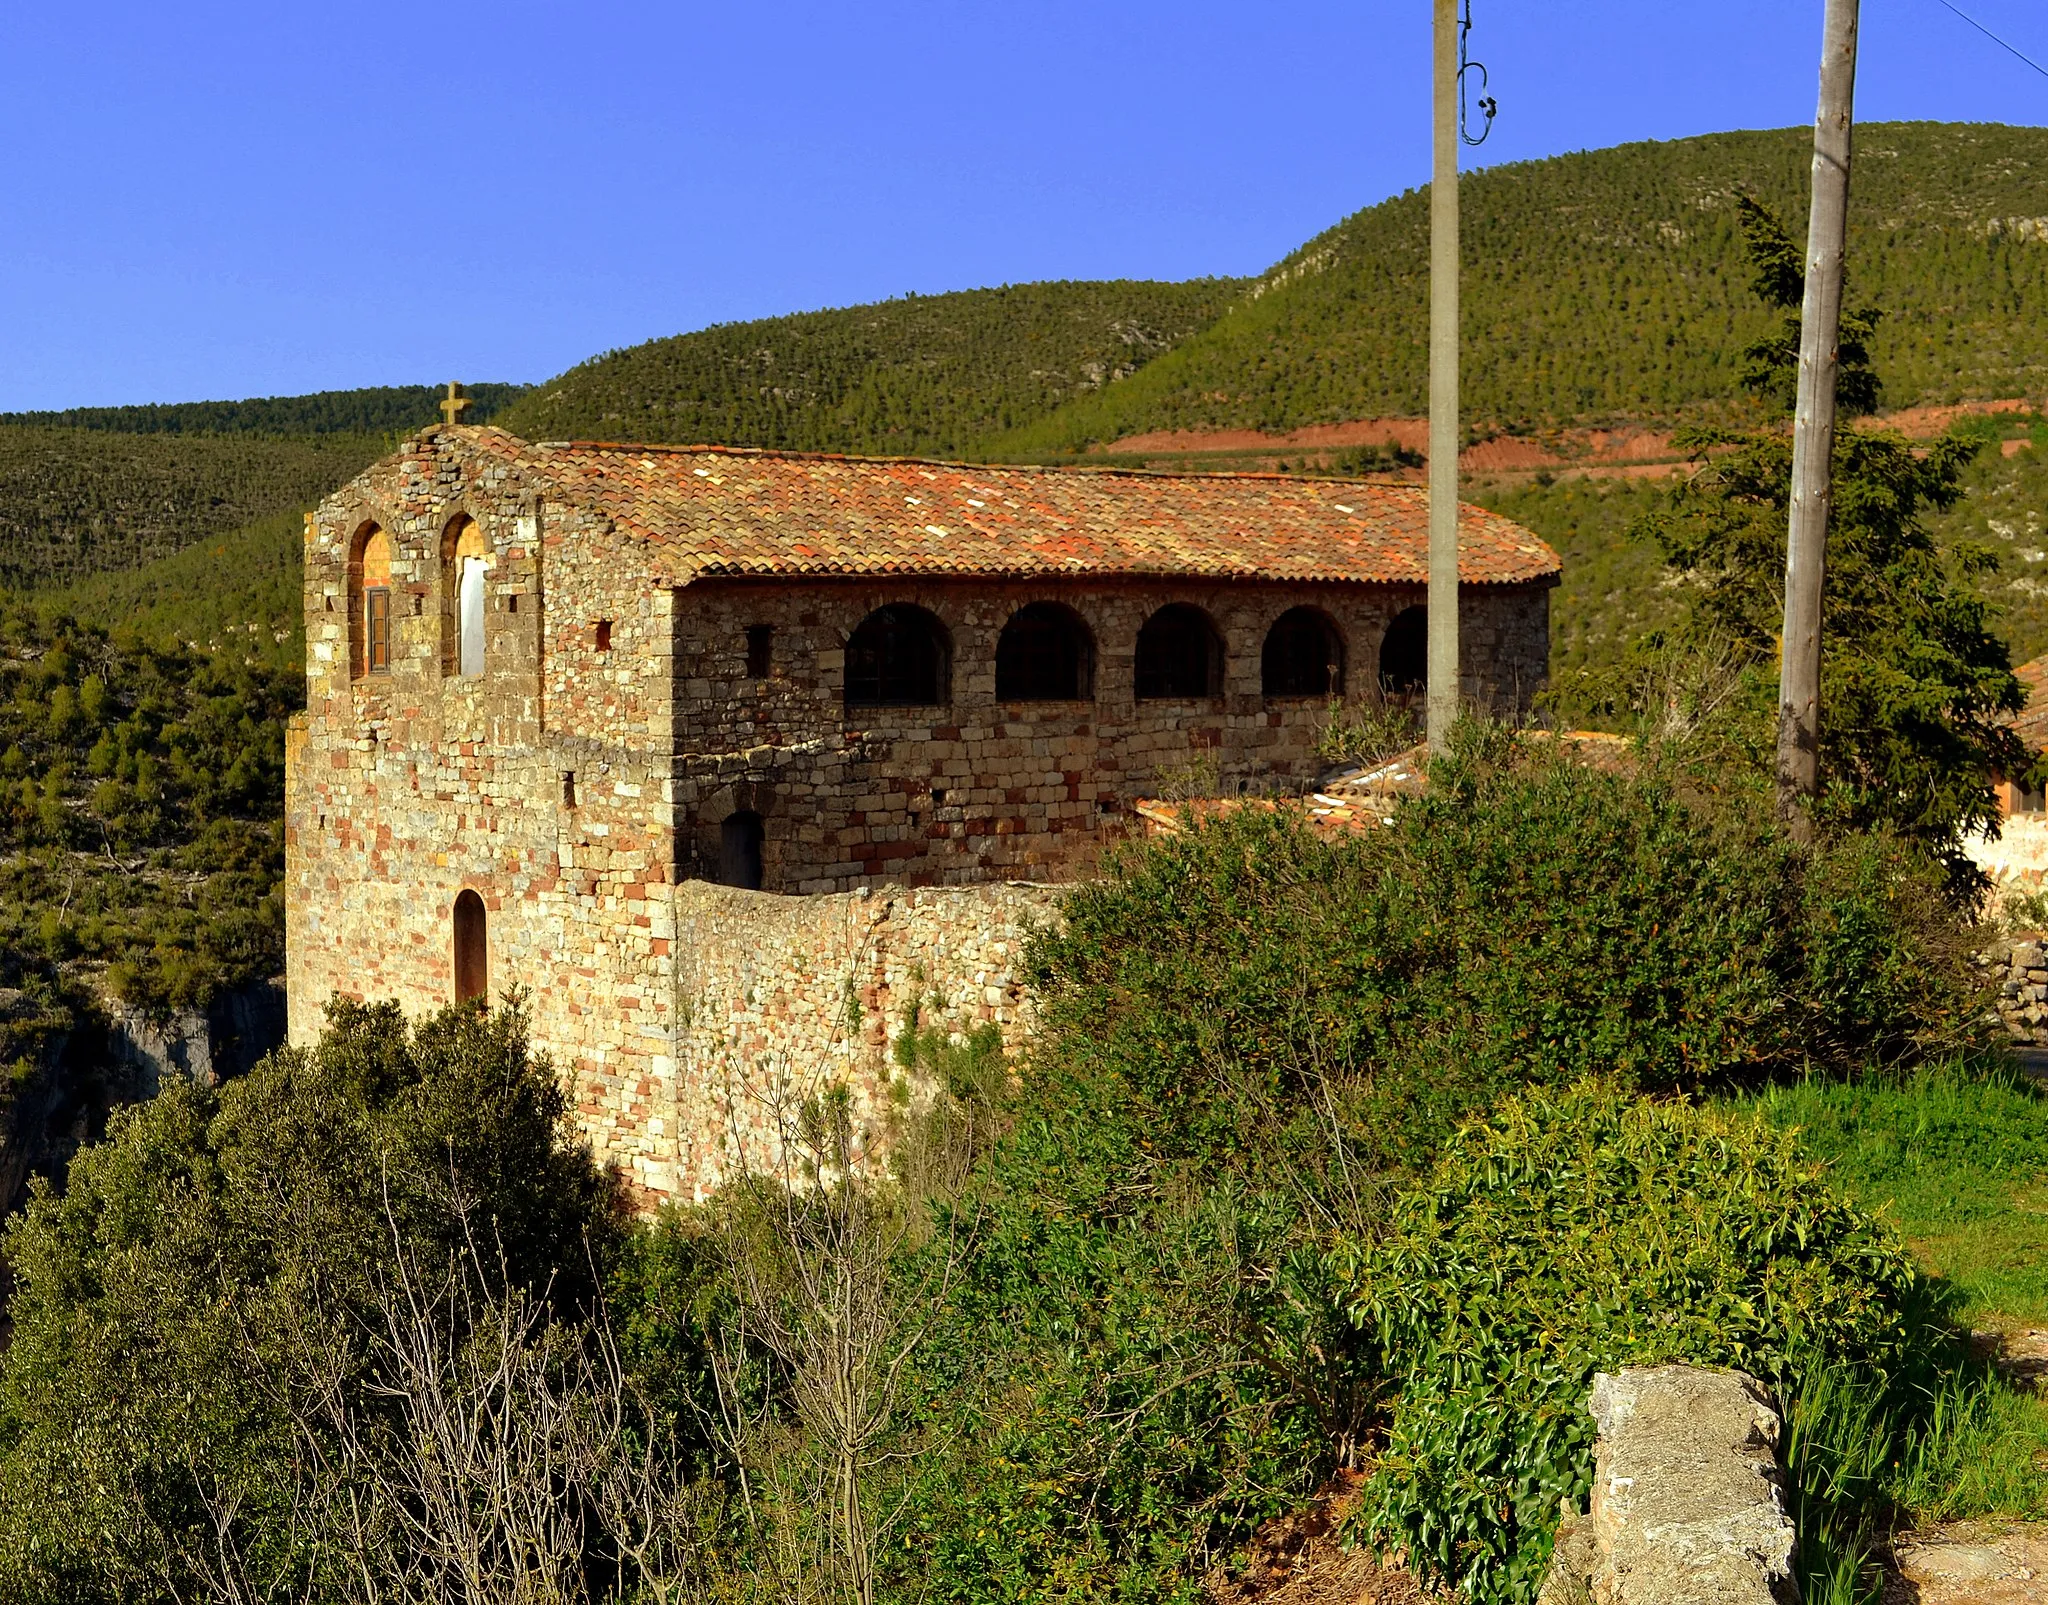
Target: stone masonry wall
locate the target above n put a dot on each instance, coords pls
(404, 789)
(2018, 972)
(783, 996)
(978, 789)
(1687, 1505)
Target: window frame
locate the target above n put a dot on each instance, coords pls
(1301, 617)
(1043, 615)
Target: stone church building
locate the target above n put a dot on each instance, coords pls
(573, 709)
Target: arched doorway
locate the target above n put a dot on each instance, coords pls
(739, 850)
(472, 948)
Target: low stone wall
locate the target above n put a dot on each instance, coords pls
(2019, 972)
(779, 998)
(1686, 1507)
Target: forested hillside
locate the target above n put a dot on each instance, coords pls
(380, 409)
(1611, 284)
(240, 592)
(1603, 285)
(103, 490)
(924, 375)
(75, 502)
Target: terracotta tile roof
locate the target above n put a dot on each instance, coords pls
(706, 510)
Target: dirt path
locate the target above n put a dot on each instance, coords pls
(1971, 1563)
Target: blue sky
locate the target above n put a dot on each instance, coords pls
(218, 200)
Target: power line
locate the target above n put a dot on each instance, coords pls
(2002, 44)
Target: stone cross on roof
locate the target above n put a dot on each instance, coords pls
(455, 403)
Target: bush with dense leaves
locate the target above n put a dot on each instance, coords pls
(1528, 920)
(1583, 1230)
(159, 1301)
(1250, 1039)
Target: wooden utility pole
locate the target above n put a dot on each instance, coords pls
(1813, 425)
(1442, 692)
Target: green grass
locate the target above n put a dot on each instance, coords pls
(1959, 1159)
(1957, 1156)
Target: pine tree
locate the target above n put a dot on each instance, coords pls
(1915, 688)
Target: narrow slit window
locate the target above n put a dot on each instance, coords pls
(377, 629)
(472, 948)
(604, 635)
(760, 650)
(568, 788)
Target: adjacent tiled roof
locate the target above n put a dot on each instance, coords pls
(707, 510)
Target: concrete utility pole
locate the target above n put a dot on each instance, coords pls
(1442, 690)
(1813, 425)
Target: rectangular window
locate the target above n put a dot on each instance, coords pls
(760, 642)
(568, 788)
(377, 630)
(604, 635)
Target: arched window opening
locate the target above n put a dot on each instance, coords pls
(465, 560)
(1404, 654)
(1045, 654)
(739, 850)
(1303, 657)
(472, 951)
(1179, 654)
(897, 659)
(370, 603)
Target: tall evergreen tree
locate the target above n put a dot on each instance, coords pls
(1915, 686)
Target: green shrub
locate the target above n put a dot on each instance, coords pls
(1249, 1039)
(1584, 1230)
(1528, 920)
(1138, 1366)
(159, 1302)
